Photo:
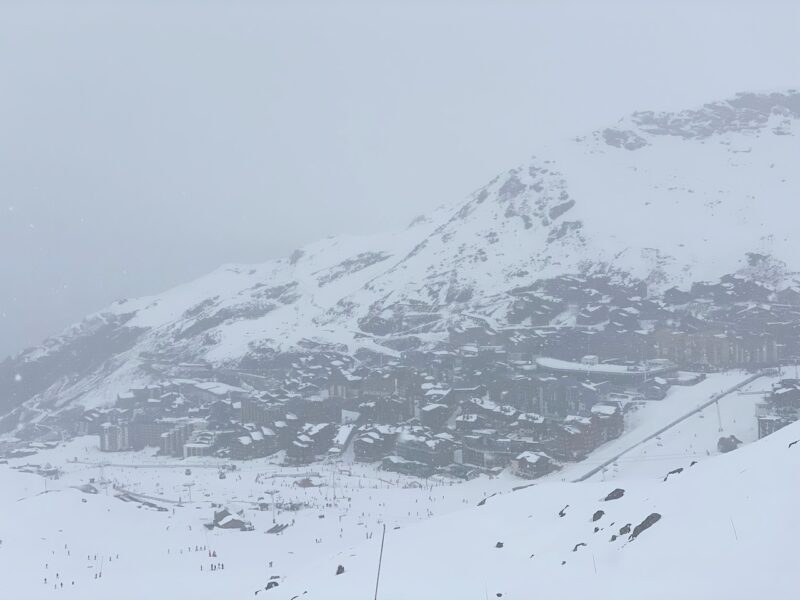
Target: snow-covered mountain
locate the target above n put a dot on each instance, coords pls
(665, 198)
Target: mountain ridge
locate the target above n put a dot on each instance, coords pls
(661, 198)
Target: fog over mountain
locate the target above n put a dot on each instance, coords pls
(146, 143)
(661, 200)
(399, 300)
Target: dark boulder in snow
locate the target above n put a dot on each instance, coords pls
(615, 495)
(651, 520)
(677, 471)
(598, 515)
(482, 502)
(728, 443)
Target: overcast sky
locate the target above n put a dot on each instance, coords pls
(145, 143)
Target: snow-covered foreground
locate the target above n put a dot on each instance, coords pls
(727, 529)
(65, 535)
(54, 533)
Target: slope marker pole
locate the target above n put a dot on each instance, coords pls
(380, 561)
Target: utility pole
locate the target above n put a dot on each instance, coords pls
(335, 468)
(272, 496)
(380, 562)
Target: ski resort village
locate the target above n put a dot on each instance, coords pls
(528, 393)
(233, 473)
(522, 398)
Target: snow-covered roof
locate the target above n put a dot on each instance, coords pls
(532, 457)
(604, 409)
(218, 388)
(433, 406)
(555, 364)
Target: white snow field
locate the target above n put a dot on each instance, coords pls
(728, 529)
(731, 515)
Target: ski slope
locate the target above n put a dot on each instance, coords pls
(440, 525)
(727, 529)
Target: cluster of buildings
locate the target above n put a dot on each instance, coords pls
(408, 419)
(549, 385)
(780, 407)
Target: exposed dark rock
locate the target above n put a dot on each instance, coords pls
(352, 265)
(564, 229)
(728, 443)
(512, 187)
(200, 308)
(560, 209)
(456, 293)
(615, 495)
(651, 520)
(482, 502)
(618, 138)
(285, 294)
(744, 112)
